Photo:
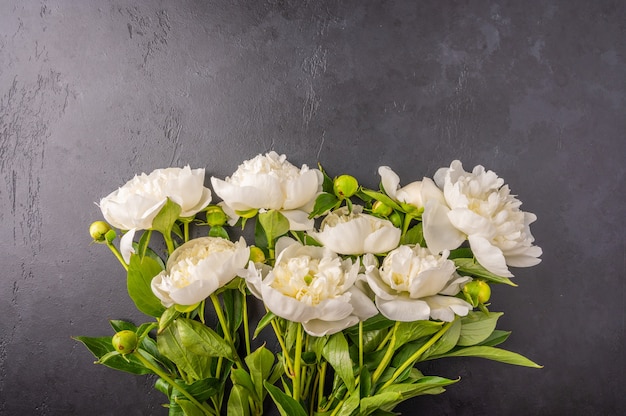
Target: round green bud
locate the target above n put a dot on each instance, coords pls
(381, 209)
(215, 216)
(248, 213)
(257, 255)
(98, 230)
(477, 290)
(396, 219)
(125, 342)
(345, 186)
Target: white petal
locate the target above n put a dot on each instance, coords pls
(382, 240)
(299, 220)
(363, 306)
(403, 309)
(389, 180)
(439, 232)
(301, 191)
(126, 245)
(489, 256)
(445, 308)
(320, 328)
(471, 223)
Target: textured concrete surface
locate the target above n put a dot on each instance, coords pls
(93, 92)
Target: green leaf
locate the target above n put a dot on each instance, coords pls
(233, 307)
(477, 326)
(167, 216)
(497, 337)
(425, 385)
(446, 342)
(260, 364)
(119, 325)
(350, 405)
(382, 198)
(189, 409)
(323, 203)
(274, 224)
(371, 403)
(470, 267)
(144, 241)
(241, 377)
(102, 346)
(170, 345)
(327, 184)
(286, 405)
(338, 356)
(491, 353)
(167, 318)
(140, 275)
(410, 331)
(415, 235)
(265, 321)
(201, 340)
(238, 401)
(218, 231)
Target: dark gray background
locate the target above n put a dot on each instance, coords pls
(93, 92)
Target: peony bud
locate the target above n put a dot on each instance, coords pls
(381, 209)
(98, 230)
(478, 291)
(215, 216)
(396, 219)
(345, 186)
(125, 342)
(257, 255)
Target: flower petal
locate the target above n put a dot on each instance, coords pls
(439, 232)
(126, 245)
(489, 256)
(403, 309)
(320, 328)
(390, 181)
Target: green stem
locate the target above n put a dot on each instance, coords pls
(281, 341)
(388, 355)
(169, 243)
(405, 225)
(186, 231)
(225, 328)
(246, 325)
(322, 378)
(297, 367)
(171, 382)
(417, 354)
(384, 341)
(117, 254)
(360, 345)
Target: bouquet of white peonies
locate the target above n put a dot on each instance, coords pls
(358, 285)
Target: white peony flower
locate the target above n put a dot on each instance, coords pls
(416, 193)
(198, 268)
(356, 233)
(311, 285)
(271, 182)
(479, 206)
(414, 284)
(134, 206)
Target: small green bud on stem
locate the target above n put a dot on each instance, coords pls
(396, 219)
(257, 255)
(345, 186)
(98, 230)
(381, 209)
(215, 216)
(477, 291)
(125, 342)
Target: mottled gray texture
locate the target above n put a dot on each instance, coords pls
(93, 92)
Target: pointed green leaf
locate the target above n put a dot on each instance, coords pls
(382, 198)
(467, 266)
(323, 203)
(286, 405)
(274, 224)
(415, 235)
(102, 346)
(201, 340)
(477, 326)
(238, 404)
(241, 377)
(446, 342)
(410, 331)
(265, 321)
(260, 364)
(167, 216)
(491, 353)
(497, 337)
(139, 277)
(371, 403)
(189, 408)
(338, 356)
